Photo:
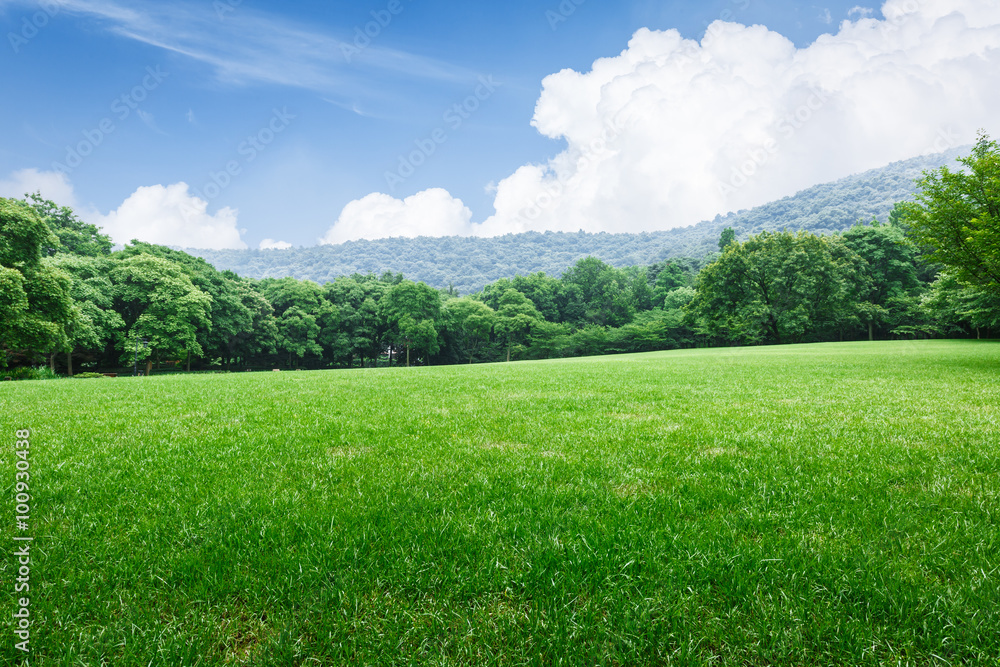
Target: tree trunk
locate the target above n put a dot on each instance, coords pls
(407, 356)
(774, 329)
(189, 362)
(52, 362)
(508, 351)
(149, 366)
(871, 332)
(978, 336)
(69, 363)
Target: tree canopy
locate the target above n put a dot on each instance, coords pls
(957, 214)
(36, 306)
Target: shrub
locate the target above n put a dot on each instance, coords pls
(32, 373)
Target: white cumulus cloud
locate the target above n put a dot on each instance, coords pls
(432, 212)
(673, 131)
(271, 244)
(53, 185)
(166, 215)
(170, 215)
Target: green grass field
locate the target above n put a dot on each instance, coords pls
(833, 504)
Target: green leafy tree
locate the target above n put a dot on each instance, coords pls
(641, 295)
(298, 332)
(73, 235)
(668, 277)
(515, 318)
(957, 214)
(285, 293)
(604, 291)
(955, 307)
(97, 325)
(543, 291)
(158, 302)
(360, 323)
(333, 337)
(548, 339)
(590, 340)
(232, 318)
(728, 237)
(298, 305)
(776, 287)
(13, 311)
(36, 306)
(469, 324)
(889, 274)
(261, 337)
(411, 311)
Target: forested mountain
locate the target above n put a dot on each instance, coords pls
(468, 263)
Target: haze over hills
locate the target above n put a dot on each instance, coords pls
(469, 263)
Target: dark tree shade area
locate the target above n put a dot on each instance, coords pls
(927, 266)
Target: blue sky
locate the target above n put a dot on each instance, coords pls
(284, 114)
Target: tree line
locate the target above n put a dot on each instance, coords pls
(931, 269)
(470, 263)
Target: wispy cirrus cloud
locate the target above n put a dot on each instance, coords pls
(246, 46)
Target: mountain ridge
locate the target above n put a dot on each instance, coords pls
(469, 263)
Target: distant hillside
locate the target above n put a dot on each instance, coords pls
(469, 263)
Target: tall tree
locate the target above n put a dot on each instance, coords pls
(668, 277)
(298, 333)
(727, 238)
(360, 327)
(604, 291)
(159, 303)
(953, 306)
(285, 293)
(261, 337)
(230, 319)
(469, 324)
(411, 311)
(515, 318)
(73, 235)
(957, 213)
(775, 287)
(891, 270)
(35, 302)
(97, 325)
